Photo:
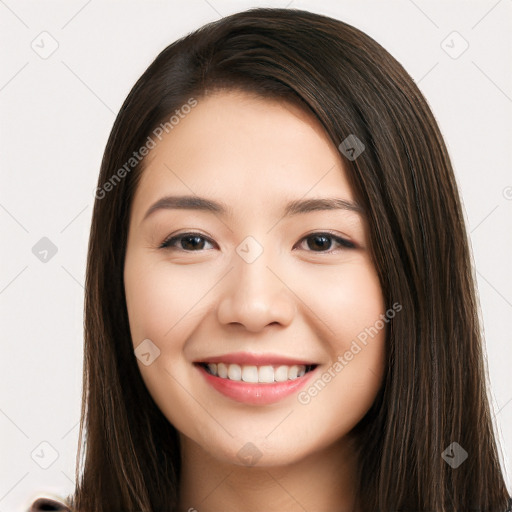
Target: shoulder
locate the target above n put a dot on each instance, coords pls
(47, 505)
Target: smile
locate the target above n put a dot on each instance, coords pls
(255, 379)
(257, 374)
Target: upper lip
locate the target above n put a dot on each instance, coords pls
(247, 358)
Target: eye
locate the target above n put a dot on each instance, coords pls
(322, 242)
(190, 242)
(195, 242)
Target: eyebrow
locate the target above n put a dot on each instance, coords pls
(295, 207)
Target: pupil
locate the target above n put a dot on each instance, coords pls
(196, 241)
(322, 245)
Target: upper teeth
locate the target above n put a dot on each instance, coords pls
(251, 373)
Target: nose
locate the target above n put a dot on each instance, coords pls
(256, 295)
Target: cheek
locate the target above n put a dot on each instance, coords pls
(348, 300)
(159, 301)
(363, 331)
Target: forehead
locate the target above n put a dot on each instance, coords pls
(246, 150)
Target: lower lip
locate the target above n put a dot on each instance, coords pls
(252, 393)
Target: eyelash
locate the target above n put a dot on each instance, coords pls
(167, 243)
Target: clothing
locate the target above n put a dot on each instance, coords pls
(48, 505)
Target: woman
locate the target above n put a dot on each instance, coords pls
(280, 308)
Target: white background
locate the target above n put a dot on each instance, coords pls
(57, 112)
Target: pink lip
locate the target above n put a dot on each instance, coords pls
(246, 358)
(252, 393)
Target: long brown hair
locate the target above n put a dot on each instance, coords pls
(434, 390)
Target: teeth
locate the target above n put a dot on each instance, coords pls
(249, 373)
(266, 374)
(255, 374)
(281, 374)
(222, 370)
(234, 372)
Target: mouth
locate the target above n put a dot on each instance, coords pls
(256, 379)
(256, 374)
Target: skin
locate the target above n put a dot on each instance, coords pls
(254, 155)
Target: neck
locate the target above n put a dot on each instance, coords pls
(323, 481)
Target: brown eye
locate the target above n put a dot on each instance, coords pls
(191, 242)
(322, 242)
(195, 242)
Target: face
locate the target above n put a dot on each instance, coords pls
(256, 315)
